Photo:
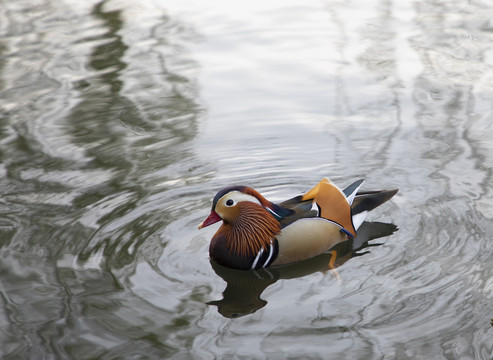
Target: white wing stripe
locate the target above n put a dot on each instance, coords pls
(256, 258)
(271, 252)
(351, 196)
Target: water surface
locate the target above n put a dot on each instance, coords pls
(120, 120)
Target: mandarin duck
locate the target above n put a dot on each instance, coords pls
(257, 233)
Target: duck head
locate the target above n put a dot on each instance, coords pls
(249, 225)
(229, 202)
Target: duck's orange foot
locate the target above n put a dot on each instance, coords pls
(332, 265)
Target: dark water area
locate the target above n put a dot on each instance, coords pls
(119, 120)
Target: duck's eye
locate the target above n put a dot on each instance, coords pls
(230, 202)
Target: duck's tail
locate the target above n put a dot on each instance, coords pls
(366, 201)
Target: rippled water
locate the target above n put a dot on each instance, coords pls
(121, 119)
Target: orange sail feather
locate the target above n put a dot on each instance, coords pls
(332, 203)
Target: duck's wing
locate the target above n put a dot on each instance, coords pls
(326, 201)
(351, 191)
(298, 209)
(347, 208)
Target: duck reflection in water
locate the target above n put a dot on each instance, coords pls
(242, 295)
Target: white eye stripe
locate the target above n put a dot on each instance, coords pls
(238, 196)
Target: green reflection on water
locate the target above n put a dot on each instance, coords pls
(74, 222)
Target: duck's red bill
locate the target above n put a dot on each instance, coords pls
(211, 219)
